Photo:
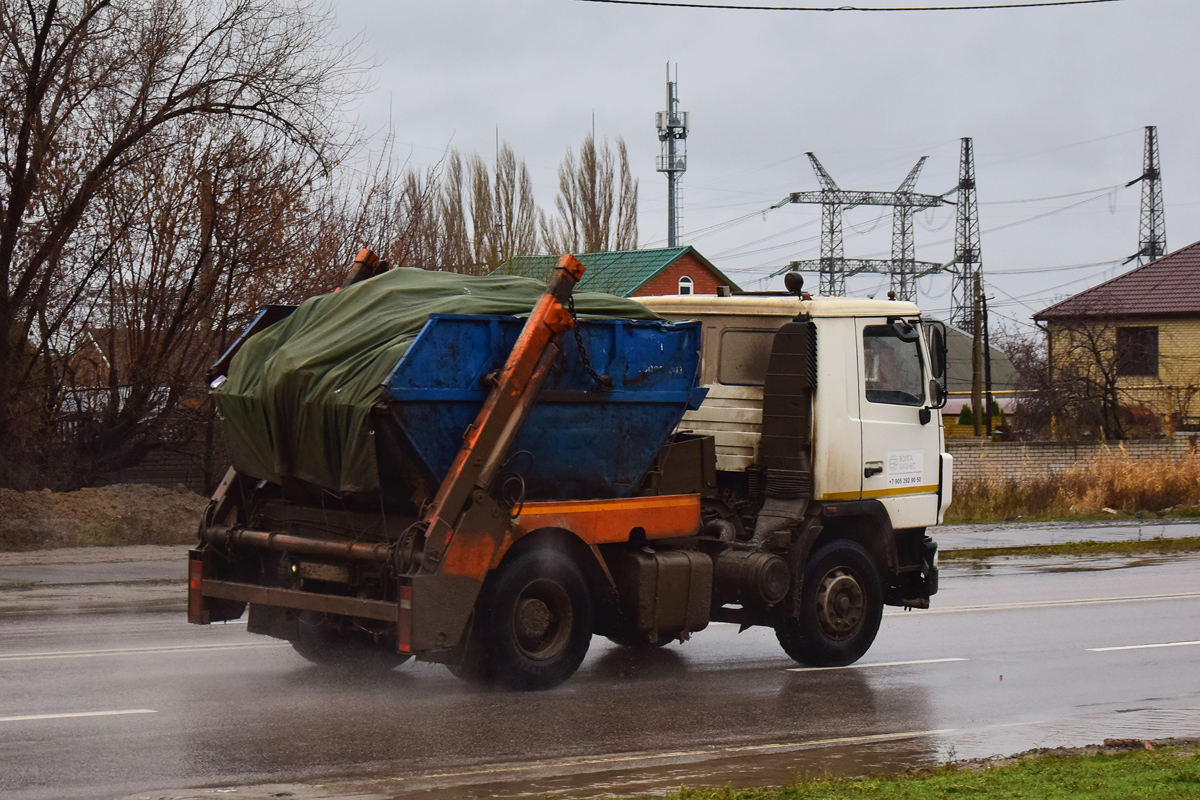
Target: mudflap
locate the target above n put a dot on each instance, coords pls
(444, 597)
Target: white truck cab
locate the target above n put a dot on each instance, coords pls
(876, 426)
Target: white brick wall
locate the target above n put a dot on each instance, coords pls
(976, 459)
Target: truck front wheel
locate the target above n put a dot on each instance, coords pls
(841, 605)
(533, 624)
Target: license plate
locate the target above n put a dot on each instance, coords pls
(324, 572)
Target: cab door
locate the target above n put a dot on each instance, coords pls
(901, 454)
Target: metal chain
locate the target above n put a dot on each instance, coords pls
(604, 381)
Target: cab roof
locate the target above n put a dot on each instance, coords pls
(777, 305)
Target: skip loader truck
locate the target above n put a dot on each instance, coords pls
(487, 471)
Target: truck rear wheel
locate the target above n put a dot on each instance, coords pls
(533, 624)
(841, 605)
(327, 646)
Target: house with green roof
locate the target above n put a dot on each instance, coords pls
(632, 273)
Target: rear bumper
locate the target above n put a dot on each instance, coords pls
(203, 589)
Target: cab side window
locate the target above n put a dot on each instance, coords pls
(892, 368)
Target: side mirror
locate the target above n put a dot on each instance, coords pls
(904, 330)
(937, 395)
(937, 352)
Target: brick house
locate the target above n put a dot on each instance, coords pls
(1138, 335)
(632, 273)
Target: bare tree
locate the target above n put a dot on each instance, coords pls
(596, 203)
(455, 216)
(1085, 377)
(483, 229)
(514, 213)
(1037, 402)
(455, 219)
(91, 92)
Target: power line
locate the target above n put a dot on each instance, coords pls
(985, 7)
(1008, 158)
(770, 249)
(1053, 196)
(742, 249)
(1062, 268)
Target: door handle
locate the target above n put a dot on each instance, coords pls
(872, 469)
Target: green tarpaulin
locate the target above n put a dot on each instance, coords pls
(298, 394)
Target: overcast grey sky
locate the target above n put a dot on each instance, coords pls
(1055, 98)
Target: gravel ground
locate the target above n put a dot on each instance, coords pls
(94, 579)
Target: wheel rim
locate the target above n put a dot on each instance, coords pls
(542, 620)
(841, 604)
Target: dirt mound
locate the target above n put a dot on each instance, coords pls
(108, 515)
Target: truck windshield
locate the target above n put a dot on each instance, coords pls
(892, 368)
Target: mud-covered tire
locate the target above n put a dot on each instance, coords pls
(533, 624)
(841, 605)
(328, 647)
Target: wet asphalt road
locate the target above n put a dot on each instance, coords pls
(1015, 654)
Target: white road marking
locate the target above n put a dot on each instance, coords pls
(1088, 601)
(78, 714)
(1141, 646)
(175, 624)
(128, 651)
(878, 664)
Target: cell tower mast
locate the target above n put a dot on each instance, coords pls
(1152, 241)
(672, 132)
(968, 262)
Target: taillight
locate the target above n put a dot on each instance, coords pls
(197, 614)
(404, 619)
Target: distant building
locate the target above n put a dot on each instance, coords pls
(632, 273)
(1139, 335)
(959, 376)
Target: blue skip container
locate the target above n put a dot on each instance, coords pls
(580, 441)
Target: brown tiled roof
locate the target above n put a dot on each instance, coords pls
(1167, 287)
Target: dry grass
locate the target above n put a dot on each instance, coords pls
(1116, 481)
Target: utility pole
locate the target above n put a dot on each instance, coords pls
(672, 132)
(1152, 238)
(833, 267)
(977, 355)
(987, 363)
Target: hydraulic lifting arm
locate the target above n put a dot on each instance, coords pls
(489, 438)
(464, 526)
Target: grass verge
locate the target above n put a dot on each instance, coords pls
(1087, 547)
(1159, 774)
